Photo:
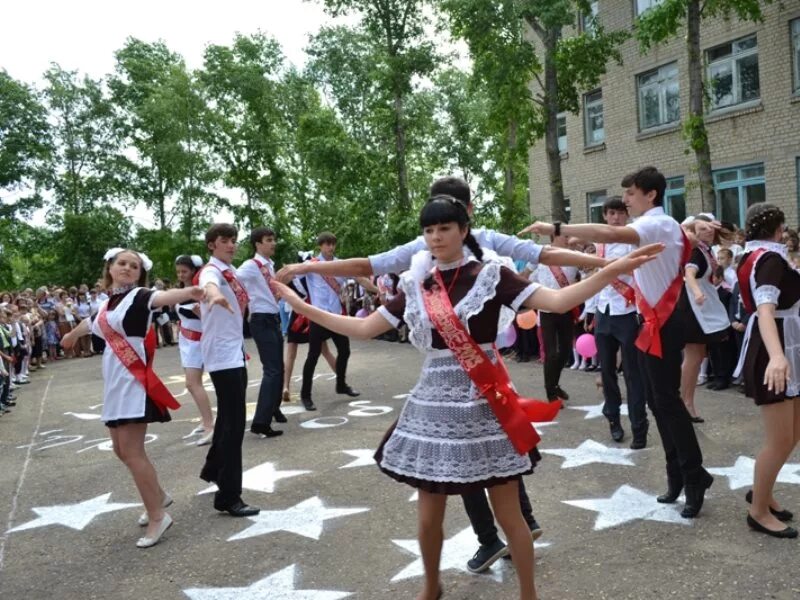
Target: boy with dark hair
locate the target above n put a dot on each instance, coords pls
(222, 345)
(265, 325)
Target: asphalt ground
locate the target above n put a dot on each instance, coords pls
(333, 526)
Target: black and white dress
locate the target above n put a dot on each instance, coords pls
(772, 281)
(706, 323)
(191, 350)
(124, 399)
(447, 439)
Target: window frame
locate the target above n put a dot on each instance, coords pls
(594, 199)
(652, 3)
(671, 192)
(794, 45)
(562, 116)
(662, 95)
(733, 59)
(740, 184)
(585, 20)
(586, 126)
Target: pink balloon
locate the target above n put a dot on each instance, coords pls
(586, 346)
(507, 338)
(362, 313)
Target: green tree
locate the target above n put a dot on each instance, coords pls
(668, 19)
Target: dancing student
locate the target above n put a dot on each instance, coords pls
(661, 336)
(770, 359)
(132, 395)
(190, 333)
(448, 439)
(265, 325)
(707, 318)
(224, 359)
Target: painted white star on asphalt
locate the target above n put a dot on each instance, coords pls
(278, 586)
(364, 457)
(629, 504)
(590, 452)
(741, 473)
(261, 478)
(595, 411)
(455, 553)
(75, 516)
(304, 519)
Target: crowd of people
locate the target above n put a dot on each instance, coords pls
(660, 299)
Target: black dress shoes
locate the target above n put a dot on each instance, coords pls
(348, 391)
(617, 432)
(787, 532)
(265, 430)
(697, 419)
(639, 443)
(308, 403)
(561, 393)
(280, 417)
(238, 509)
(674, 489)
(781, 515)
(695, 493)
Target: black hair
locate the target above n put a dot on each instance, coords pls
(259, 233)
(763, 219)
(185, 260)
(221, 230)
(614, 203)
(447, 209)
(452, 186)
(648, 179)
(326, 237)
(719, 272)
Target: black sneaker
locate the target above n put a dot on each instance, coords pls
(617, 432)
(308, 403)
(280, 417)
(486, 556)
(347, 390)
(562, 394)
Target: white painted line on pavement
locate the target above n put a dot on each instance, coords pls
(12, 513)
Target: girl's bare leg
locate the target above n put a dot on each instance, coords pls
(430, 510)
(507, 511)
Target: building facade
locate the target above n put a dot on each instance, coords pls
(634, 119)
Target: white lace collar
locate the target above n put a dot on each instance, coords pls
(455, 264)
(776, 247)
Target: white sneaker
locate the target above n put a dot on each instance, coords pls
(144, 520)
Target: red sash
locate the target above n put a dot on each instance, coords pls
(743, 275)
(191, 334)
(562, 281)
(493, 381)
(649, 339)
(264, 272)
(228, 275)
(332, 283)
(143, 372)
(623, 289)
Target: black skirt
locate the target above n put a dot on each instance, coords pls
(755, 365)
(152, 414)
(694, 332)
(297, 337)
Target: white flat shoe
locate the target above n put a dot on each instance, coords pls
(144, 520)
(206, 439)
(197, 430)
(147, 542)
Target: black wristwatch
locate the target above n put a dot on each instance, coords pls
(557, 229)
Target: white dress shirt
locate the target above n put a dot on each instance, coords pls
(609, 298)
(261, 298)
(223, 341)
(544, 276)
(654, 277)
(398, 259)
(322, 295)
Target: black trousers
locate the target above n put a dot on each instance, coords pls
(614, 333)
(316, 335)
(662, 391)
(224, 459)
(722, 356)
(481, 517)
(557, 336)
(266, 330)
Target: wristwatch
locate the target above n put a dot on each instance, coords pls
(557, 228)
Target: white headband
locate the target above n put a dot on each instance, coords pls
(196, 260)
(147, 264)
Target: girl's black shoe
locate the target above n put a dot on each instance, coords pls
(787, 532)
(781, 515)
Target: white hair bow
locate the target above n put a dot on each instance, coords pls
(196, 260)
(147, 264)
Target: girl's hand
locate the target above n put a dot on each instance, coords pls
(635, 259)
(777, 374)
(196, 293)
(216, 299)
(281, 290)
(699, 298)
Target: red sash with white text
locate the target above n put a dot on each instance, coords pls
(191, 334)
(143, 372)
(242, 298)
(649, 339)
(514, 413)
(743, 275)
(562, 281)
(623, 289)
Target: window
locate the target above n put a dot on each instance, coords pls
(733, 73)
(587, 20)
(675, 199)
(561, 121)
(643, 5)
(594, 206)
(796, 55)
(593, 118)
(797, 181)
(737, 190)
(659, 97)
(567, 210)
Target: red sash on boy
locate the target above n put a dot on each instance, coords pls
(228, 275)
(143, 372)
(623, 289)
(191, 334)
(493, 381)
(264, 268)
(332, 283)
(649, 339)
(562, 281)
(743, 275)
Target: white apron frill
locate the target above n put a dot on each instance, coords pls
(191, 351)
(711, 314)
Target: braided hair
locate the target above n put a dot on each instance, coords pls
(763, 219)
(441, 209)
